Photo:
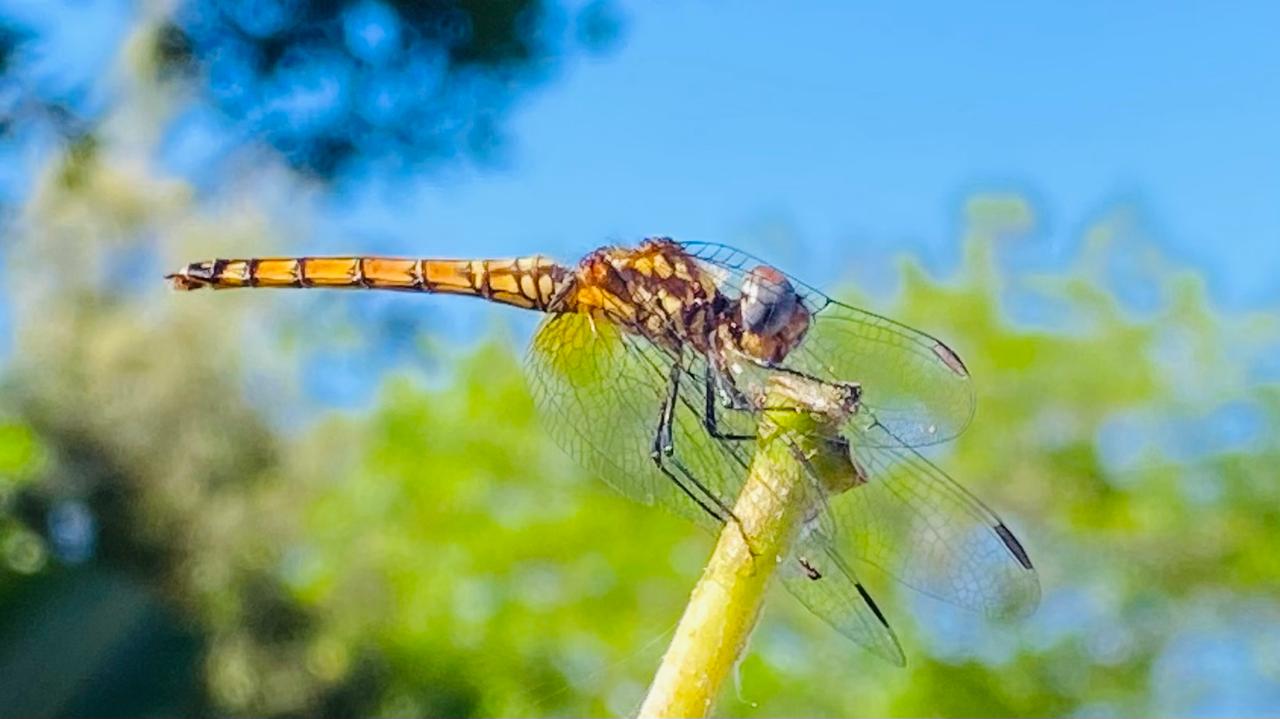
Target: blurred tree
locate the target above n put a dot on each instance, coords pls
(327, 82)
(32, 97)
(330, 85)
(81, 490)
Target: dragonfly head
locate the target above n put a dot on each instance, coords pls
(774, 320)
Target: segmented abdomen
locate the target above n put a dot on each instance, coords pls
(529, 282)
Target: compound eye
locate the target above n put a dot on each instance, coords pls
(768, 301)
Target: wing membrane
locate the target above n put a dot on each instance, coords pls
(917, 385)
(601, 393)
(827, 586)
(916, 524)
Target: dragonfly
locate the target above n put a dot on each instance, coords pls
(648, 369)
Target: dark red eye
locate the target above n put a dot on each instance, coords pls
(768, 301)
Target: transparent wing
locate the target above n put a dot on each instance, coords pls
(601, 393)
(735, 263)
(916, 524)
(917, 386)
(828, 587)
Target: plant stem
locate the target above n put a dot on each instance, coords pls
(793, 440)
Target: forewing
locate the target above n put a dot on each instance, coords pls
(733, 264)
(916, 524)
(917, 385)
(601, 393)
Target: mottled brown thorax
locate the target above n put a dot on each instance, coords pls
(655, 290)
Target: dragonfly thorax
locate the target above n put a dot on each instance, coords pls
(658, 291)
(654, 290)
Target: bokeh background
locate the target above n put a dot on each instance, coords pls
(300, 503)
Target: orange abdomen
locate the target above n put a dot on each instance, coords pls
(529, 282)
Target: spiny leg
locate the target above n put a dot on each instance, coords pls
(664, 451)
(737, 401)
(712, 426)
(663, 447)
(855, 387)
(709, 419)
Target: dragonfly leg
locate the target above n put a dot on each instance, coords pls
(664, 452)
(664, 448)
(709, 412)
(734, 399)
(732, 518)
(712, 426)
(853, 387)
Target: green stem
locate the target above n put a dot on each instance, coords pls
(725, 605)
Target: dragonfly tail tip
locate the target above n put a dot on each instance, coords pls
(182, 282)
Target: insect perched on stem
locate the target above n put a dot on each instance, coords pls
(650, 369)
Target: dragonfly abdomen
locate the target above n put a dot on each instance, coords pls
(528, 282)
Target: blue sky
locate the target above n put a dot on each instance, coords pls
(859, 128)
(866, 127)
(855, 131)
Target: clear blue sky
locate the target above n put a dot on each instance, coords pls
(860, 127)
(869, 126)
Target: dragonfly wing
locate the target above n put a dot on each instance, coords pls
(917, 385)
(732, 264)
(601, 394)
(916, 524)
(828, 587)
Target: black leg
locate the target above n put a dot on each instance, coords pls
(664, 451)
(735, 400)
(854, 386)
(664, 448)
(688, 492)
(709, 412)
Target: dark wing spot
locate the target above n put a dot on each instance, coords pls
(950, 359)
(871, 603)
(1014, 546)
